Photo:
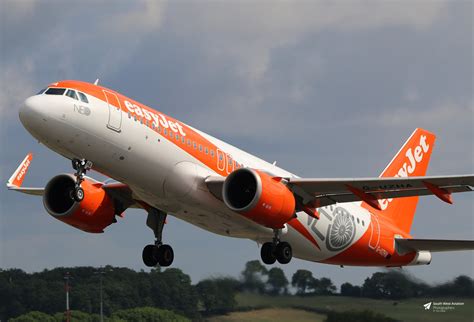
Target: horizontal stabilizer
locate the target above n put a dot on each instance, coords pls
(433, 245)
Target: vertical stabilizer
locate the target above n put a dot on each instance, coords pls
(411, 161)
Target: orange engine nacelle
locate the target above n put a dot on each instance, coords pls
(92, 214)
(259, 197)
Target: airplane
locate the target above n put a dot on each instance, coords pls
(166, 167)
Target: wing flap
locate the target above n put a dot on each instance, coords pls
(433, 245)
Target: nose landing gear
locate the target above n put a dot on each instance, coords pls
(276, 250)
(159, 253)
(81, 167)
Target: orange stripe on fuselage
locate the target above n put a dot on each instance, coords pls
(170, 128)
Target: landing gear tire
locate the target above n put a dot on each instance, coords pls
(165, 255)
(283, 252)
(148, 256)
(267, 253)
(158, 254)
(78, 194)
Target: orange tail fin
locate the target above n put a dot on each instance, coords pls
(411, 161)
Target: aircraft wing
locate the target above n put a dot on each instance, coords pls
(432, 245)
(323, 192)
(116, 190)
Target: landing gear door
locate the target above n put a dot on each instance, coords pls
(115, 112)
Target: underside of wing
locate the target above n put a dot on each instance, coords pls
(28, 191)
(433, 245)
(323, 192)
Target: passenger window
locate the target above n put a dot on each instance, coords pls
(55, 91)
(177, 137)
(72, 94)
(212, 153)
(195, 145)
(183, 140)
(83, 97)
(206, 150)
(189, 142)
(165, 132)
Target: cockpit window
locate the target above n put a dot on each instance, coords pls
(55, 91)
(72, 94)
(41, 91)
(83, 97)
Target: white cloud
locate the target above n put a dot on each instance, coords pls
(107, 41)
(145, 18)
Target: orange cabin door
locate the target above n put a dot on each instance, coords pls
(375, 231)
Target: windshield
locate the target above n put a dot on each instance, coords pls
(55, 91)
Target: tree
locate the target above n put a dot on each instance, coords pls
(33, 317)
(323, 286)
(391, 285)
(218, 295)
(347, 289)
(77, 316)
(463, 286)
(303, 280)
(460, 286)
(147, 314)
(277, 281)
(172, 290)
(252, 276)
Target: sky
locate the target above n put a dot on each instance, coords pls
(327, 89)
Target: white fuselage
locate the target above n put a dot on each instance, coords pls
(167, 177)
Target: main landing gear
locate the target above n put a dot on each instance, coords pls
(81, 167)
(159, 253)
(276, 250)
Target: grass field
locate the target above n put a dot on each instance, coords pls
(407, 310)
(271, 315)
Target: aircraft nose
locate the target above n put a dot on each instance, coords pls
(30, 111)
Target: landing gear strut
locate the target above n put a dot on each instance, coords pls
(276, 250)
(81, 167)
(159, 253)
